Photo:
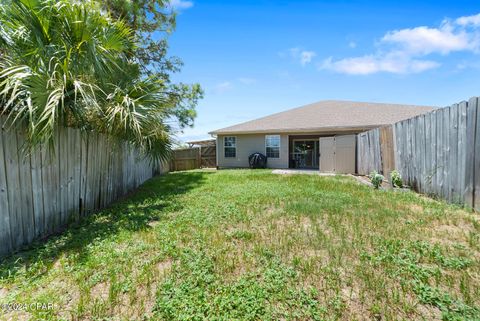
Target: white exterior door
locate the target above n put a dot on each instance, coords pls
(327, 154)
(345, 154)
(337, 154)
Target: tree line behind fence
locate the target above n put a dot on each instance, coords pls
(41, 191)
(437, 153)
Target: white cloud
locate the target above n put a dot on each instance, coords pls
(425, 40)
(306, 57)
(247, 81)
(405, 51)
(469, 20)
(371, 64)
(223, 87)
(228, 85)
(303, 57)
(181, 4)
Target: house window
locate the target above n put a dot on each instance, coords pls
(272, 145)
(230, 146)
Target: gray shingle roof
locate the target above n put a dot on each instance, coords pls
(328, 115)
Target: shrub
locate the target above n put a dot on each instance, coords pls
(396, 179)
(376, 179)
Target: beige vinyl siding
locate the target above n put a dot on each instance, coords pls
(248, 144)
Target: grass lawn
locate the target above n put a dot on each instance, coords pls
(251, 245)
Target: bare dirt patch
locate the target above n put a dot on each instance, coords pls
(153, 223)
(3, 293)
(449, 234)
(70, 298)
(137, 303)
(428, 312)
(100, 291)
(415, 208)
(164, 266)
(17, 315)
(355, 307)
(140, 303)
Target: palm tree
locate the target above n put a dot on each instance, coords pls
(67, 63)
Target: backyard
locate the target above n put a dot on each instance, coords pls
(250, 245)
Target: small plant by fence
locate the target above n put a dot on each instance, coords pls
(437, 153)
(41, 191)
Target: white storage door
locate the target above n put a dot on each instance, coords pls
(337, 154)
(345, 154)
(327, 154)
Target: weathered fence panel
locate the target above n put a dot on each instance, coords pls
(387, 145)
(208, 156)
(369, 153)
(44, 189)
(186, 159)
(193, 158)
(437, 153)
(374, 155)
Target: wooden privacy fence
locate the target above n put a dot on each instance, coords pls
(192, 158)
(437, 153)
(376, 151)
(43, 190)
(186, 159)
(208, 156)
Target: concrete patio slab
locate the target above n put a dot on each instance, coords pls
(300, 171)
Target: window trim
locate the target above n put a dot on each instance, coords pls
(224, 138)
(279, 145)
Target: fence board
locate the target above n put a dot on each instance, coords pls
(423, 151)
(25, 183)
(476, 170)
(446, 148)
(470, 154)
(13, 187)
(453, 154)
(37, 191)
(5, 234)
(428, 154)
(92, 173)
(418, 157)
(462, 135)
(400, 155)
(377, 154)
(47, 186)
(440, 156)
(62, 175)
(433, 154)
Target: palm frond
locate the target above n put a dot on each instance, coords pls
(70, 64)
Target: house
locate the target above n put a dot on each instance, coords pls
(321, 135)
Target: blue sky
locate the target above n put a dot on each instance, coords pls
(255, 58)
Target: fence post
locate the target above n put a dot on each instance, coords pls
(470, 156)
(199, 157)
(476, 152)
